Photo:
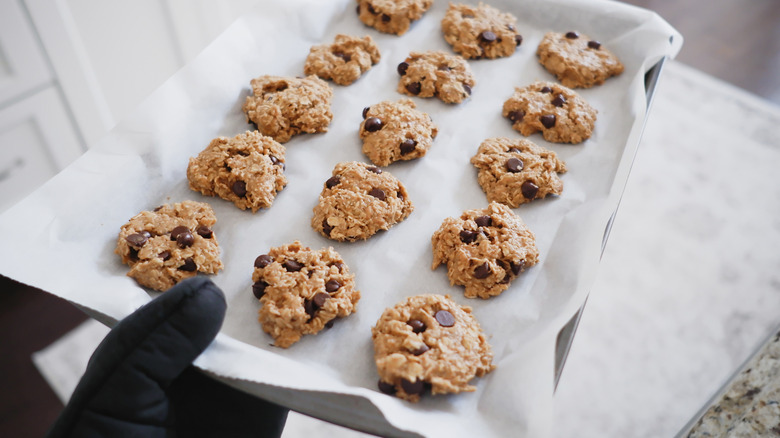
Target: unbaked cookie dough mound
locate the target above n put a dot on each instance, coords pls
(436, 74)
(391, 16)
(394, 131)
(247, 170)
(484, 249)
(576, 60)
(343, 61)
(429, 343)
(358, 201)
(480, 32)
(283, 106)
(516, 171)
(302, 291)
(559, 113)
(170, 243)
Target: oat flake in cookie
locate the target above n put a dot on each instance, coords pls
(480, 32)
(577, 60)
(394, 131)
(391, 16)
(484, 249)
(282, 106)
(516, 171)
(343, 61)
(429, 342)
(358, 201)
(436, 74)
(169, 244)
(560, 114)
(302, 291)
(246, 170)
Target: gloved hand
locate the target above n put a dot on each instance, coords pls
(140, 381)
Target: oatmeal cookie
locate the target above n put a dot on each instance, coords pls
(516, 171)
(246, 170)
(358, 201)
(282, 107)
(576, 60)
(480, 32)
(343, 61)
(391, 16)
(393, 131)
(302, 291)
(436, 73)
(170, 243)
(559, 113)
(484, 249)
(429, 342)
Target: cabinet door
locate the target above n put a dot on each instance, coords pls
(23, 67)
(37, 140)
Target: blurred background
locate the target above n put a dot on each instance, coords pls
(70, 69)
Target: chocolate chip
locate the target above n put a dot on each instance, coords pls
(332, 285)
(408, 146)
(158, 208)
(205, 232)
(514, 165)
(548, 120)
(546, 89)
(340, 266)
(402, 67)
(518, 40)
(511, 27)
(132, 253)
(333, 181)
(185, 239)
(482, 271)
(263, 260)
(292, 265)
(516, 116)
(386, 388)
(467, 88)
(444, 67)
(416, 325)
(559, 100)
(414, 88)
(309, 308)
(487, 36)
(422, 349)
(358, 9)
(377, 193)
(412, 388)
(517, 267)
(385, 18)
(239, 188)
(572, 35)
(374, 169)
(137, 239)
(594, 45)
(468, 236)
(529, 189)
(258, 289)
(373, 124)
(345, 56)
(484, 221)
(371, 8)
(165, 255)
(178, 230)
(329, 324)
(189, 265)
(514, 150)
(320, 298)
(276, 162)
(365, 111)
(326, 227)
(444, 318)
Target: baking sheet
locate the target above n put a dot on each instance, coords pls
(61, 238)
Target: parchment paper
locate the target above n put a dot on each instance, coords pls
(61, 238)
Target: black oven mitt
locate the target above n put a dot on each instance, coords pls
(140, 381)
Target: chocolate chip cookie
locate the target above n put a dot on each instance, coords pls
(343, 61)
(169, 244)
(282, 107)
(559, 113)
(436, 74)
(429, 343)
(391, 16)
(480, 32)
(246, 170)
(484, 249)
(358, 201)
(516, 171)
(577, 60)
(302, 291)
(393, 131)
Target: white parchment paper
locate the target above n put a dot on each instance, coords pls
(61, 238)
